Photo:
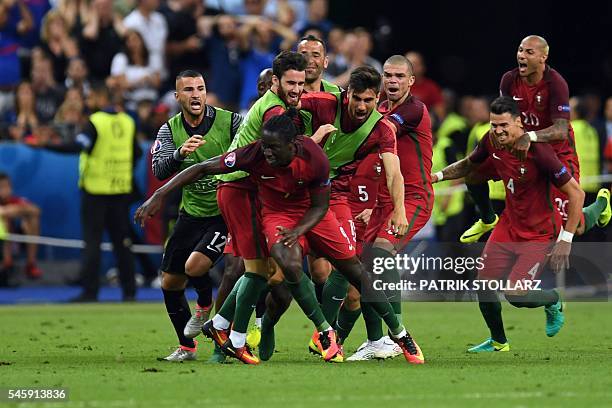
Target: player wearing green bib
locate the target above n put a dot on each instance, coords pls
(197, 133)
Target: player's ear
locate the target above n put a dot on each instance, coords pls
(275, 81)
(518, 121)
(411, 80)
(325, 62)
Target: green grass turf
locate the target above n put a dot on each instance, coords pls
(106, 356)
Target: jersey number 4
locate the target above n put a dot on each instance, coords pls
(510, 185)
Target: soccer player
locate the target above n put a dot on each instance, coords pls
(360, 130)
(517, 249)
(411, 120)
(197, 133)
(292, 175)
(543, 98)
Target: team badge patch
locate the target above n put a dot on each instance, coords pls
(561, 172)
(398, 118)
(156, 147)
(230, 159)
(563, 108)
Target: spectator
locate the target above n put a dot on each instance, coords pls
(23, 120)
(356, 50)
(186, 32)
(134, 73)
(260, 40)
(49, 96)
(76, 76)
(153, 28)
(15, 21)
(223, 51)
(317, 18)
(17, 212)
(69, 117)
(38, 9)
(57, 44)
(75, 13)
(101, 38)
(427, 90)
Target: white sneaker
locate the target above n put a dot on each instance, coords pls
(364, 352)
(195, 323)
(387, 349)
(182, 354)
(380, 349)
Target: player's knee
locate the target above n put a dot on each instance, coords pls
(197, 264)
(173, 282)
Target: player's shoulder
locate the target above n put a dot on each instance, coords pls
(319, 95)
(309, 147)
(552, 75)
(508, 79)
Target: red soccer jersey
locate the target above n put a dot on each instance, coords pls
(414, 148)
(428, 91)
(529, 206)
(364, 184)
(283, 189)
(542, 103)
(323, 107)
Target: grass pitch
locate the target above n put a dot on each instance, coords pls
(105, 354)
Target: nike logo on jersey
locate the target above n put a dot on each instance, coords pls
(495, 156)
(337, 299)
(516, 98)
(267, 177)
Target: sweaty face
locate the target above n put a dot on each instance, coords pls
(315, 56)
(291, 86)
(506, 129)
(191, 95)
(530, 56)
(361, 104)
(275, 150)
(397, 81)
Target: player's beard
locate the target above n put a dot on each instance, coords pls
(285, 97)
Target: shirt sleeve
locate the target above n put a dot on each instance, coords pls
(505, 84)
(322, 105)
(274, 111)
(385, 132)
(481, 152)
(559, 98)
(166, 160)
(320, 180)
(247, 158)
(549, 164)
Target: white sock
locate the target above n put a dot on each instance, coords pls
(220, 322)
(377, 343)
(258, 322)
(238, 339)
(400, 334)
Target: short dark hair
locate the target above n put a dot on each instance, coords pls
(4, 176)
(283, 125)
(287, 60)
(398, 60)
(311, 37)
(189, 73)
(505, 104)
(364, 78)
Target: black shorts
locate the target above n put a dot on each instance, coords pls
(206, 235)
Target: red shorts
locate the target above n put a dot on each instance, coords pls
(328, 239)
(240, 210)
(344, 215)
(417, 217)
(504, 258)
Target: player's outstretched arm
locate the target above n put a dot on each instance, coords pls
(454, 171)
(191, 174)
(319, 204)
(559, 130)
(559, 257)
(395, 183)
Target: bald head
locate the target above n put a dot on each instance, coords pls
(537, 41)
(264, 82)
(400, 60)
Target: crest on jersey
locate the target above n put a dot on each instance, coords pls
(377, 169)
(539, 102)
(156, 147)
(522, 170)
(230, 159)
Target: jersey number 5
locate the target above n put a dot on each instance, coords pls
(363, 194)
